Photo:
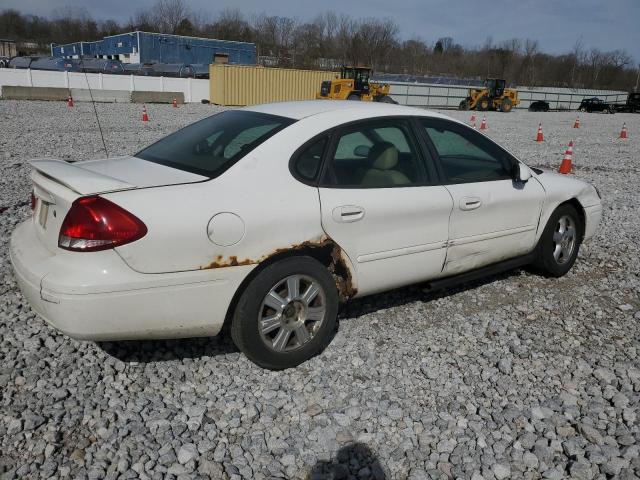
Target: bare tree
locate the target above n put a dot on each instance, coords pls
(169, 14)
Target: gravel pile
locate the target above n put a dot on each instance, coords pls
(514, 377)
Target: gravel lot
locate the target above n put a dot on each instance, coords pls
(514, 377)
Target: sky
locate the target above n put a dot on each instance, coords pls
(557, 25)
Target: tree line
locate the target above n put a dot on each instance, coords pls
(331, 39)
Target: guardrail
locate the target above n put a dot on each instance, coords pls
(450, 96)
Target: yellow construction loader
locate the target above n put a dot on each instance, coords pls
(354, 84)
(494, 96)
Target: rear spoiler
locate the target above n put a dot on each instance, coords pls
(78, 179)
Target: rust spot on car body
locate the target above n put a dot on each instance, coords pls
(221, 262)
(336, 262)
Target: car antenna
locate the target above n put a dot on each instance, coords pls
(95, 111)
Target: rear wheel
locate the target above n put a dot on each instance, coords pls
(354, 96)
(560, 241)
(483, 104)
(506, 105)
(287, 314)
(464, 105)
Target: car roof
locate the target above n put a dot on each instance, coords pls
(303, 109)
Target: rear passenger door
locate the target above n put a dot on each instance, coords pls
(381, 203)
(494, 217)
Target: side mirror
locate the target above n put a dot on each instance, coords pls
(522, 173)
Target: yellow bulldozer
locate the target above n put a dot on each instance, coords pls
(493, 96)
(354, 84)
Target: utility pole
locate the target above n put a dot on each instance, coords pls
(637, 79)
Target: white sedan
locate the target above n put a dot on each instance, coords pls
(264, 219)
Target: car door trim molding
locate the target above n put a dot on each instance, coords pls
(490, 235)
(398, 252)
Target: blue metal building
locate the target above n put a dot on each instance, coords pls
(145, 47)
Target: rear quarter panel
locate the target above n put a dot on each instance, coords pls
(277, 211)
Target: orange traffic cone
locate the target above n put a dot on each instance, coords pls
(473, 120)
(565, 165)
(576, 124)
(145, 116)
(175, 103)
(540, 136)
(483, 124)
(623, 132)
(70, 101)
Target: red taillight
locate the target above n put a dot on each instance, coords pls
(95, 223)
(33, 201)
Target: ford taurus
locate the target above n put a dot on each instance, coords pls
(264, 219)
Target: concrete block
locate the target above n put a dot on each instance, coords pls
(10, 92)
(110, 96)
(156, 97)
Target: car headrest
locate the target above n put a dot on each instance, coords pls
(384, 155)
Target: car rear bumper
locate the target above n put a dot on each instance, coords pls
(96, 296)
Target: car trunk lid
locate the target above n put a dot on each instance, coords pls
(58, 183)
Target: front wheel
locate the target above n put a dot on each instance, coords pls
(287, 314)
(354, 97)
(558, 247)
(483, 104)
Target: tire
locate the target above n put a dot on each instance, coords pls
(582, 110)
(483, 104)
(464, 105)
(506, 105)
(354, 97)
(387, 99)
(549, 261)
(280, 345)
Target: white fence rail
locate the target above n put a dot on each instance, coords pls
(450, 96)
(194, 89)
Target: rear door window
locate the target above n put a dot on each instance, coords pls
(212, 145)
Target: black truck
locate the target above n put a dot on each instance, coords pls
(632, 105)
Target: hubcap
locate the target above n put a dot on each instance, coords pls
(291, 313)
(564, 239)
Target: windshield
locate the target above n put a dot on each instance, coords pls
(214, 144)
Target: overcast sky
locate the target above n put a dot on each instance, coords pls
(605, 24)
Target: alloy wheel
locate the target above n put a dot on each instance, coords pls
(564, 239)
(291, 313)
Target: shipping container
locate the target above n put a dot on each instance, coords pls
(245, 85)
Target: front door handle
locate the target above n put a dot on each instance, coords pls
(347, 213)
(470, 203)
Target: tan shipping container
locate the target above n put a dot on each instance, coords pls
(250, 85)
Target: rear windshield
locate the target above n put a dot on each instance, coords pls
(212, 145)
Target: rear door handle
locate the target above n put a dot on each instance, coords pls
(347, 213)
(470, 203)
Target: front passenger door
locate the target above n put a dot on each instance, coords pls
(494, 217)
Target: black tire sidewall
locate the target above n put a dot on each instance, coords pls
(545, 260)
(244, 327)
